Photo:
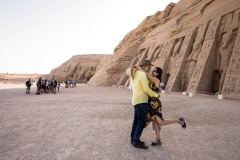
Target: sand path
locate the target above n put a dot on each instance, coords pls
(95, 122)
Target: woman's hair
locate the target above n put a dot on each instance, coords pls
(159, 71)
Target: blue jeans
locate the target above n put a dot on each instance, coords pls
(139, 122)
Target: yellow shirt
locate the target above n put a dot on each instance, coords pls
(141, 89)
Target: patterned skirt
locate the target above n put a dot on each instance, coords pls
(154, 108)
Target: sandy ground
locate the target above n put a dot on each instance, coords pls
(18, 80)
(95, 122)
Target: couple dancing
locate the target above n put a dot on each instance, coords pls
(147, 106)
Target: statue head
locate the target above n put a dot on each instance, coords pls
(170, 6)
(196, 45)
(226, 38)
(177, 47)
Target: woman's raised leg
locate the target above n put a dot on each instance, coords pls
(166, 122)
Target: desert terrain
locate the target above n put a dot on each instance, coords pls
(14, 80)
(90, 122)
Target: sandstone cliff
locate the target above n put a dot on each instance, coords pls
(79, 67)
(195, 42)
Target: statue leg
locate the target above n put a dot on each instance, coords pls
(182, 83)
(222, 75)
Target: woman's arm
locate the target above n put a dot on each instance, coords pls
(155, 80)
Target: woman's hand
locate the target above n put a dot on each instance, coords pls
(159, 110)
(158, 95)
(136, 67)
(153, 117)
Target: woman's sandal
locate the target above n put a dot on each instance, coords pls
(184, 126)
(158, 143)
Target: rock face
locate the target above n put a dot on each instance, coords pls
(79, 67)
(195, 42)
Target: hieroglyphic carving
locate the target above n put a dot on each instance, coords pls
(230, 85)
(212, 30)
(208, 44)
(166, 49)
(172, 84)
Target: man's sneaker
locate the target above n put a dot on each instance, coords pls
(140, 145)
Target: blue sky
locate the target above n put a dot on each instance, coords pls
(39, 35)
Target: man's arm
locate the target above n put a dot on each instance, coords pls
(145, 86)
(155, 80)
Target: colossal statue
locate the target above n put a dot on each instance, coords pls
(190, 65)
(174, 56)
(188, 40)
(225, 52)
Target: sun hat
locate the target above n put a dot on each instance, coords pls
(146, 63)
(128, 72)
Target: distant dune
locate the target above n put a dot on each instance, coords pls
(19, 78)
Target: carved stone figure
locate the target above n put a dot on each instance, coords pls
(174, 56)
(225, 53)
(190, 64)
(183, 83)
(210, 19)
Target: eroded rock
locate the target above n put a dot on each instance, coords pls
(206, 36)
(79, 67)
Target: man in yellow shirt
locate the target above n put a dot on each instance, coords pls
(141, 91)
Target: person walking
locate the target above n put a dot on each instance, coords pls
(141, 92)
(28, 84)
(73, 83)
(39, 85)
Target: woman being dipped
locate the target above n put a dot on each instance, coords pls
(154, 112)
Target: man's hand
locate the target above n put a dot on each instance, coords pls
(158, 95)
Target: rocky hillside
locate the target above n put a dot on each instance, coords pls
(80, 67)
(195, 42)
(126, 53)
